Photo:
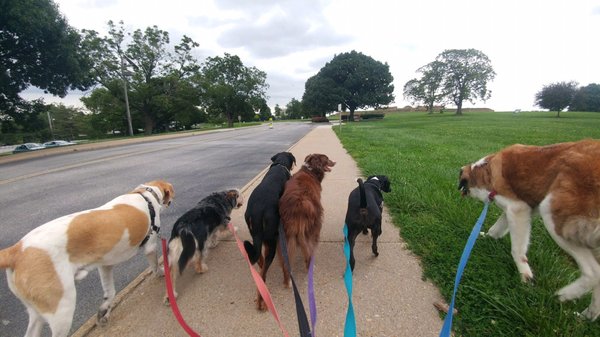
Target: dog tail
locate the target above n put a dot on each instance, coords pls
(254, 248)
(363, 198)
(188, 248)
(9, 255)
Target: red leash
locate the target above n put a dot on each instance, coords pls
(171, 294)
(260, 284)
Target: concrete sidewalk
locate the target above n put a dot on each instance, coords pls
(390, 299)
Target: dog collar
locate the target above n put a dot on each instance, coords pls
(149, 189)
(492, 195)
(289, 174)
(153, 226)
(378, 188)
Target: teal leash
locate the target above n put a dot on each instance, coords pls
(350, 325)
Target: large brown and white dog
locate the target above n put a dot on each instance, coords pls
(562, 182)
(42, 267)
(301, 211)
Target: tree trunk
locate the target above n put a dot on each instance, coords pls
(351, 115)
(148, 124)
(558, 114)
(459, 108)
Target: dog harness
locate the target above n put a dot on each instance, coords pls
(153, 226)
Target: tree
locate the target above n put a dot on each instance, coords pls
(231, 89)
(278, 112)
(587, 99)
(39, 48)
(294, 109)
(352, 79)
(429, 88)
(466, 73)
(162, 86)
(556, 96)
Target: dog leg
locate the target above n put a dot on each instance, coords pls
(375, 232)
(270, 250)
(200, 260)
(593, 311)
(152, 255)
(286, 274)
(108, 285)
(351, 241)
(584, 257)
(519, 225)
(500, 228)
(174, 271)
(36, 322)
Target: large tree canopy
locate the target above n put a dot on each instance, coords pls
(161, 84)
(39, 48)
(429, 88)
(556, 96)
(231, 89)
(587, 99)
(466, 75)
(352, 79)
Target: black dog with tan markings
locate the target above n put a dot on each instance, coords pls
(262, 215)
(196, 231)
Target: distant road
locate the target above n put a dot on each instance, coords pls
(35, 191)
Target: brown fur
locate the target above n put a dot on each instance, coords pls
(85, 244)
(300, 207)
(35, 278)
(563, 182)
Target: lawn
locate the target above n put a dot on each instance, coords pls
(422, 155)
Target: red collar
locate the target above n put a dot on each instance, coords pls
(492, 195)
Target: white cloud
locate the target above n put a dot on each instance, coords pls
(530, 43)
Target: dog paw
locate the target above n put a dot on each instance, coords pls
(102, 317)
(201, 268)
(527, 277)
(261, 306)
(590, 313)
(166, 299)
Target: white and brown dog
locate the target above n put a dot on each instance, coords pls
(42, 267)
(562, 182)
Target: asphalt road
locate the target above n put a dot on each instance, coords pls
(35, 191)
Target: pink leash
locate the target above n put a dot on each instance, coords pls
(260, 284)
(171, 294)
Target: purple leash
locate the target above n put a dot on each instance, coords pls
(312, 305)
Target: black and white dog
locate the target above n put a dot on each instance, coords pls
(196, 231)
(365, 205)
(262, 214)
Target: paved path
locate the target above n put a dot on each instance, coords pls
(390, 299)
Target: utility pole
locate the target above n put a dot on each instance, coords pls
(129, 127)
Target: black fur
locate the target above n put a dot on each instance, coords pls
(262, 213)
(197, 224)
(365, 206)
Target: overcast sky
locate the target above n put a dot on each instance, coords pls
(530, 43)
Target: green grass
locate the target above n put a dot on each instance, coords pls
(422, 155)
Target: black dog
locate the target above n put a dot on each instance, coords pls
(365, 205)
(195, 231)
(262, 214)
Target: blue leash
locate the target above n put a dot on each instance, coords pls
(350, 326)
(447, 328)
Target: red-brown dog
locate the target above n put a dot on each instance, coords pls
(562, 181)
(300, 208)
